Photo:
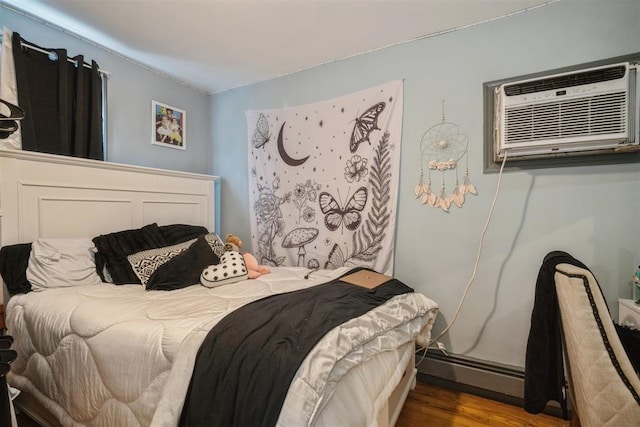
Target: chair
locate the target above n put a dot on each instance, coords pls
(603, 386)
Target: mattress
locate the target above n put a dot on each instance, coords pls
(104, 355)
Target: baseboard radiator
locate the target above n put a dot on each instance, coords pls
(503, 383)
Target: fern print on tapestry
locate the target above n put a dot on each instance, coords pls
(323, 181)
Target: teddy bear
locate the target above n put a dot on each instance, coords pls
(232, 243)
(255, 270)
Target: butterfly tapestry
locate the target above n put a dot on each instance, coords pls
(331, 168)
(365, 124)
(349, 216)
(261, 134)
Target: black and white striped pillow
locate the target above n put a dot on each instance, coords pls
(145, 263)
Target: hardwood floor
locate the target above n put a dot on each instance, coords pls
(433, 406)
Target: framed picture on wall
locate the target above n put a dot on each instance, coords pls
(168, 126)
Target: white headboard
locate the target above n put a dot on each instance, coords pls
(44, 195)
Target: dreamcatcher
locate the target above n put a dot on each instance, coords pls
(441, 148)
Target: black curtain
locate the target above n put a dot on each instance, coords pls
(62, 101)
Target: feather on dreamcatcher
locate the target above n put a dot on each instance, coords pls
(441, 148)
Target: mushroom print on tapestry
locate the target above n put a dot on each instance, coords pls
(323, 181)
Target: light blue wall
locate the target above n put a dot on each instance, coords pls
(130, 91)
(591, 212)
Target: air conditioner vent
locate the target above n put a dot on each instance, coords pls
(585, 110)
(572, 118)
(567, 80)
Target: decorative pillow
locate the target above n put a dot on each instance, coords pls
(230, 270)
(114, 248)
(184, 269)
(14, 260)
(216, 243)
(145, 263)
(55, 263)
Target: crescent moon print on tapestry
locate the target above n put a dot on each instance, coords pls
(283, 153)
(365, 124)
(319, 196)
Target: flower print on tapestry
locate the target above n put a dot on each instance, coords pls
(324, 181)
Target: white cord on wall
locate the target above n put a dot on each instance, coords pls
(441, 346)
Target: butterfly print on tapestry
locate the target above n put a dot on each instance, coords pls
(365, 124)
(349, 216)
(261, 134)
(336, 258)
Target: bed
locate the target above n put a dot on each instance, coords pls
(99, 354)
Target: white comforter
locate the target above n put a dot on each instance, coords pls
(105, 355)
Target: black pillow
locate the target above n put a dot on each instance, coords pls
(179, 233)
(184, 269)
(14, 260)
(113, 249)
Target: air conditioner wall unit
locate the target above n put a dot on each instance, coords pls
(588, 110)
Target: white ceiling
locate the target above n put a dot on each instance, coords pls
(215, 45)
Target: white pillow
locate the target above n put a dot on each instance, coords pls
(230, 270)
(55, 263)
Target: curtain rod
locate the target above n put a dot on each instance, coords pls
(53, 56)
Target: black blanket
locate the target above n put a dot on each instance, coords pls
(244, 367)
(544, 370)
